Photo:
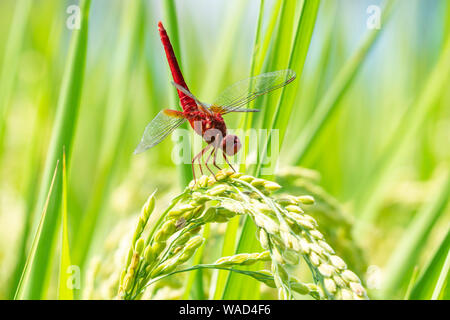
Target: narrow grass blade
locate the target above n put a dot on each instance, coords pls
(34, 162)
(329, 104)
(65, 292)
(406, 254)
(296, 62)
(223, 53)
(117, 112)
(231, 234)
(404, 134)
(236, 287)
(195, 278)
(311, 90)
(11, 60)
(442, 281)
(432, 281)
(31, 261)
(228, 249)
(185, 170)
(257, 275)
(262, 45)
(412, 282)
(247, 119)
(283, 39)
(62, 134)
(278, 58)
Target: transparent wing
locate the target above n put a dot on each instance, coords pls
(239, 94)
(246, 110)
(160, 127)
(202, 105)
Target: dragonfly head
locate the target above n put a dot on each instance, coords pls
(231, 144)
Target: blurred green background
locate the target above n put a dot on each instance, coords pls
(372, 105)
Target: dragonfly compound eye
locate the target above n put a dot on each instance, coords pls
(231, 144)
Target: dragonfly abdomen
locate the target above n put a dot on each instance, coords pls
(187, 103)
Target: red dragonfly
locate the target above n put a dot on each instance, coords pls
(206, 119)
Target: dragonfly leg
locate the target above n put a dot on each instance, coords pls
(226, 159)
(193, 171)
(206, 163)
(215, 153)
(199, 158)
(200, 165)
(214, 160)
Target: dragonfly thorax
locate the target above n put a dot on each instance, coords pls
(210, 126)
(214, 131)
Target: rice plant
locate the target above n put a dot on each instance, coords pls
(284, 230)
(339, 191)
